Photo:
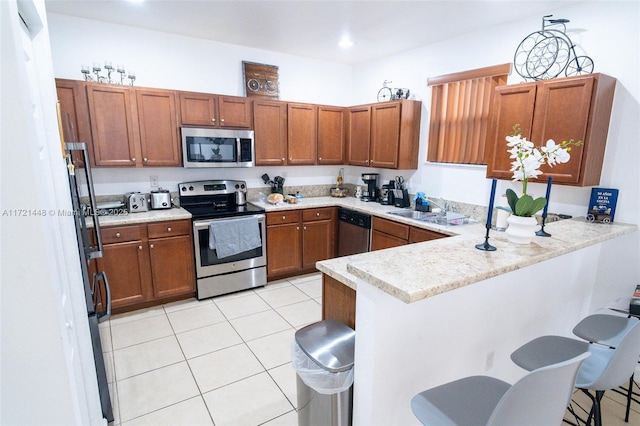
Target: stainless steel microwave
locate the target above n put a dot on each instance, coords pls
(203, 147)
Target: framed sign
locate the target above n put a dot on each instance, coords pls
(261, 80)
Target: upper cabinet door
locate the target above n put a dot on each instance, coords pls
(331, 135)
(197, 109)
(385, 135)
(511, 105)
(235, 112)
(270, 132)
(112, 125)
(358, 135)
(302, 134)
(158, 123)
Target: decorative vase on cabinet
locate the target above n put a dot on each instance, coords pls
(521, 229)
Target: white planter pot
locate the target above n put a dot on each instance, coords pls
(521, 230)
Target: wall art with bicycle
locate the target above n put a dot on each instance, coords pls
(261, 80)
(549, 53)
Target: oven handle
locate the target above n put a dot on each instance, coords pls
(201, 224)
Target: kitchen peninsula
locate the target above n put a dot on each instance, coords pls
(437, 311)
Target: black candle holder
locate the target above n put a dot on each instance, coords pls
(542, 232)
(486, 246)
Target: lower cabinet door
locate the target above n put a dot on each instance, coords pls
(380, 240)
(127, 271)
(172, 266)
(316, 242)
(283, 249)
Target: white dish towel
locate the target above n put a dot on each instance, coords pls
(233, 236)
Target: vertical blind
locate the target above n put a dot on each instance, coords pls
(460, 108)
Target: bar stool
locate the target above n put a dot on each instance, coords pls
(608, 330)
(538, 398)
(605, 369)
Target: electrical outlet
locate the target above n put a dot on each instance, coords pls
(488, 365)
(154, 181)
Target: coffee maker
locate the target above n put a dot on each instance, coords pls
(371, 192)
(386, 194)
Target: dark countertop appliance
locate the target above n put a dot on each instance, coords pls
(217, 203)
(371, 192)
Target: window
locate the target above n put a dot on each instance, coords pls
(460, 105)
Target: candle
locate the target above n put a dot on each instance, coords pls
(493, 195)
(546, 206)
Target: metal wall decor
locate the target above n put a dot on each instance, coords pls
(550, 52)
(392, 94)
(108, 68)
(261, 80)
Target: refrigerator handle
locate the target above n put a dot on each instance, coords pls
(103, 316)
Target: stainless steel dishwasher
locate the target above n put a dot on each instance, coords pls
(354, 232)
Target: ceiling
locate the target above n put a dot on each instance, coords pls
(312, 28)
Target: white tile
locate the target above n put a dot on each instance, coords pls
(185, 304)
(285, 378)
(251, 401)
(105, 338)
(242, 306)
(192, 412)
(273, 350)
(208, 339)
(148, 392)
(147, 356)
(259, 325)
(304, 278)
(301, 313)
(273, 285)
(312, 288)
(137, 315)
(225, 366)
(283, 296)
(288, 419)
(139, 331)
(318, 301)
(109, 366)
(199, 316)
(242, 293)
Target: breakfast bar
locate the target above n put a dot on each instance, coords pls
(433, 312)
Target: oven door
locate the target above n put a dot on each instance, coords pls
(207, 261)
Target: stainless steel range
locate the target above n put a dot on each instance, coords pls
(229, 236)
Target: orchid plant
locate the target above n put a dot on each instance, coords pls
(527, 159)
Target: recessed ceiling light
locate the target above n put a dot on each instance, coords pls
(345, 43)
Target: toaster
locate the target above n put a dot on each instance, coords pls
(136, 202)
(160, 199)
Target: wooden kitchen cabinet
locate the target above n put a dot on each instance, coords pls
(203, 109)
(158, 123)
(576, 108)
(296, 240)
(338, 301)
(358, 135)
(270, 132)
(387, 234)
(74, 115)
(302, 123)
(113, 127)
(331, 135)
(394, 135)
(148, 264)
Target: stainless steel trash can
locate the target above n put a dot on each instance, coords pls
(323, 355)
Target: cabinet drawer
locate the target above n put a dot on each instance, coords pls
(121, 234)
(309, 215)
(169, 229)
(283, 217)
(418, 235)
(399, 230)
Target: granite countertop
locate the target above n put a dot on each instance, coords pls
(174, 213)
(445, 264)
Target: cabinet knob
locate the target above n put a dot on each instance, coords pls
(284, 217)
(150, 245)
(368, 161)
(213, 119)
(117, 235)
(304, 228)
(169, 229)
(133, 159)
(282, 158)
(290, 159)
(144, 159)
(318, 214)
(222, 120)
(139, 247)
(297, 228)
(320, 158)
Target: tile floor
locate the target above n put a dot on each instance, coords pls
(225, 360)
(222, 361)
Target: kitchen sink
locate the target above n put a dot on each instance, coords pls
(444, 219)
